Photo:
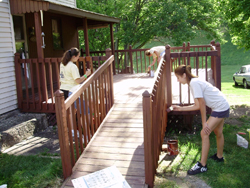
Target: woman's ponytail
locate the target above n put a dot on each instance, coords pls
(68, 55)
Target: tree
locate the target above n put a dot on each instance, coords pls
(144, 20)
(238, 14)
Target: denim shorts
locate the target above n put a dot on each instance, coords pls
(79, 101)
(223, 114)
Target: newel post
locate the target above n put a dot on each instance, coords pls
(108, 52)
(131, 59)
(63, 133)
(148, 139)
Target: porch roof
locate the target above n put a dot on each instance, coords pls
(24, 6)
(80, 13)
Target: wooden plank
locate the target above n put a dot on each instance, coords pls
(122, 129)
(107, 124)
(125, 120)
(120, 139)
(124, 171)
(117, 163)
(124, 157)
(119, 135)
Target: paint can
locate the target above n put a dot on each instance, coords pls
(173, 147)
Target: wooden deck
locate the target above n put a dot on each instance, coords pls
(119, 140)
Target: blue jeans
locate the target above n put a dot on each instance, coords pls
(79, 101)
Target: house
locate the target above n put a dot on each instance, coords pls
(40, 29)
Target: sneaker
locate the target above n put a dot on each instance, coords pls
(214, 157)
(197, 168)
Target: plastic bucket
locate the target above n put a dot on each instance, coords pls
(173, 147)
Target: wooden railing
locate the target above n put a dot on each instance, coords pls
(154, 122)
(126, 61)
(156, 102)
(37, 79)
(83, 112)
(135, 60)
(206, 58)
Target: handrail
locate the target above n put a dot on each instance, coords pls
(89, 80)
(82, 113)
(154, 122)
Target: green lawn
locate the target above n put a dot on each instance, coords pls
(30, 171)
(233, 173)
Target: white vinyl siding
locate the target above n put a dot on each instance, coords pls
(69, 3)
(8, 96)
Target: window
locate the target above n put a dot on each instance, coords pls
(56, 32)
(19, 33)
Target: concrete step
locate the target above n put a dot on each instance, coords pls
(16, 126)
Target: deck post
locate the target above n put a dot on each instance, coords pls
(131, 59)
(148, 139)
(184, 49)
(112, 45)
(63, 133)
(86, 38)
(213, 59)
(218, 67)
(18, 80)
(168, 76)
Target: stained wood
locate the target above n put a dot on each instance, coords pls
(119, 140)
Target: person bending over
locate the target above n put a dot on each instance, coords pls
(157, 53)
(205, 94)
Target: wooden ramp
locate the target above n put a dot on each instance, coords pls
(119, 140)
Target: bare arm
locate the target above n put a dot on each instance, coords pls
(193, 107)
(81, 79)
(154, 60)
(202, 105)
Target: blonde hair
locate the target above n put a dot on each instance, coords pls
(147, 53)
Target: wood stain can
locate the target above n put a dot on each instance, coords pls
(173, 147)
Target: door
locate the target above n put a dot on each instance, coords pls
(22, 45)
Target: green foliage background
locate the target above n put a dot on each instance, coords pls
(144, 20)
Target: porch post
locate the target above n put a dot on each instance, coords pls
(86, 39)
(38, 30)
(112, 45)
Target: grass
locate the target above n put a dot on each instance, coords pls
(233, 173)
(30, 171)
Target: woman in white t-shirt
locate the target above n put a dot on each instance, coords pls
(205, 94)
(157, 53)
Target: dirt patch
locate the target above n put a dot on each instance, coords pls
(236, 112)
